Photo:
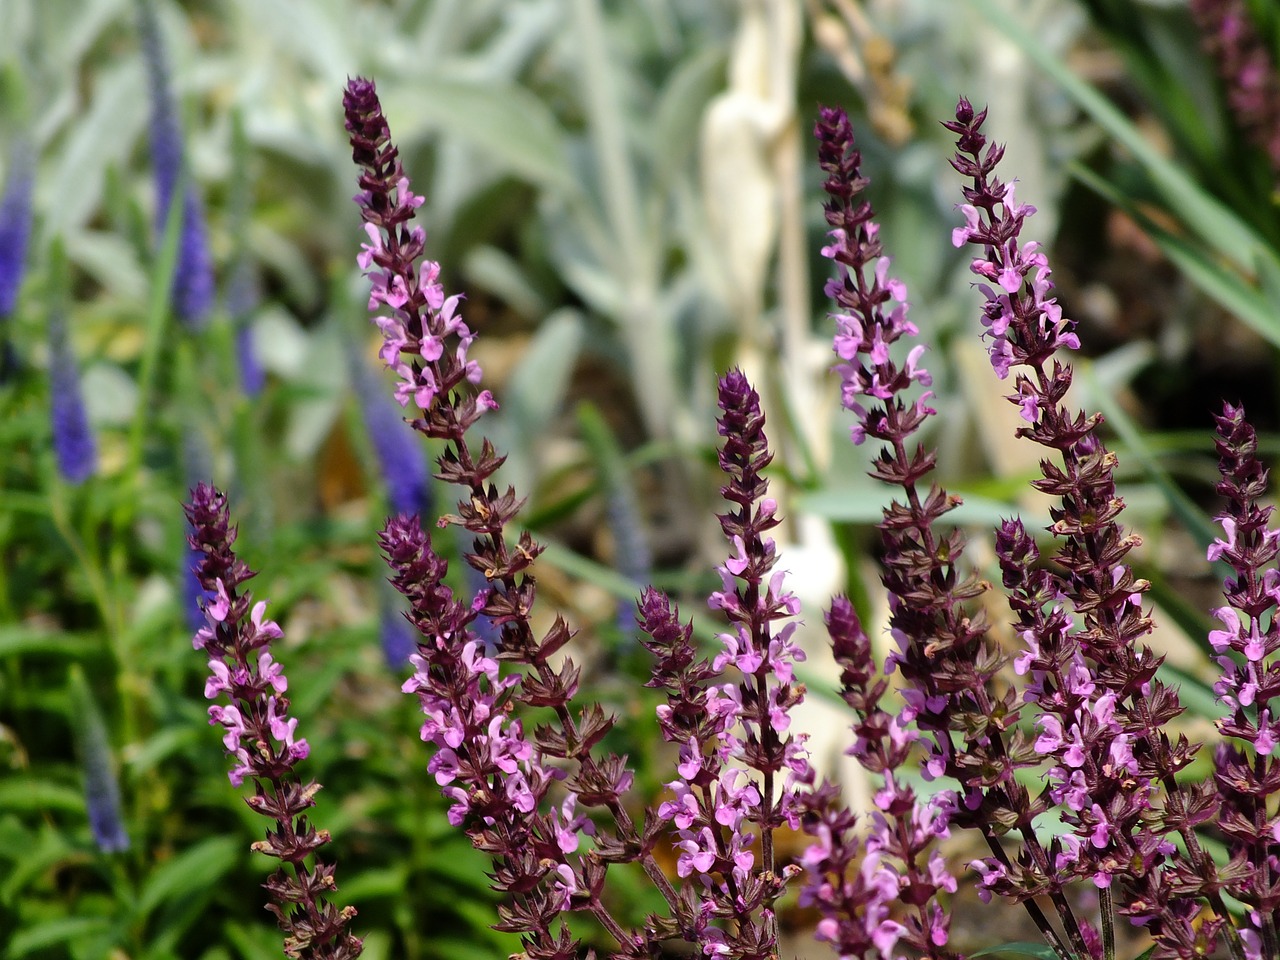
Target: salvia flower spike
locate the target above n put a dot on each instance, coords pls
(497, 778)
(1247, 68)
(261, 738)
(1103, 709)
(1246, 770)
(740, 769)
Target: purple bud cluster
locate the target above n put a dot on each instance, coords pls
(862, 289)
(424, 339)
(261, 737)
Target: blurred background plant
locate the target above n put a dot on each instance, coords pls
(626, 194)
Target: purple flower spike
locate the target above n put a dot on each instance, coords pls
(1105, 712)
(74, 446)
(15, 224)
(740, 771)
(193, 284)
(424, 339)
(1246, 767)
(967, 723)
(101, 788)
(855, 896)
(1247, 69)
(401, 459)
(496, 777)
(872, 307)
(261, 738)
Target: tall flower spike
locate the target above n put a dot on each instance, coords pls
(1247, 771)
(15, 224)
(402, 464)
(1113, 752)
(945, 658)
(261, 738)
(101, 788)
(1247, 70)
(74, 447)
(193, 285)
(740, 766)
(15, 231)
(497, 778)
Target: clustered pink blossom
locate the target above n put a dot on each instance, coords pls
(1246, 770)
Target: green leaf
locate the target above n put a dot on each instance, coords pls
(575, 564)
(32, 860)
(25, 792)
(370, 885)
(505, 123)
(1224, 285)
(681, 106)
(198, 868)
(53, 932)
(1200, 211)
(535, 393)
(20, 638)
(1038, 951)
(103, 137)
(864, 505)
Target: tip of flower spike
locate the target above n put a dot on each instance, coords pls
(964, 110)
(360, 88)
(736, 393)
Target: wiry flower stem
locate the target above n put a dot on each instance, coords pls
(260, 736)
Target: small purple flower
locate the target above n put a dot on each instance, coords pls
(193, 284)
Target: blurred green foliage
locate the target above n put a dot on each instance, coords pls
(572, 153)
